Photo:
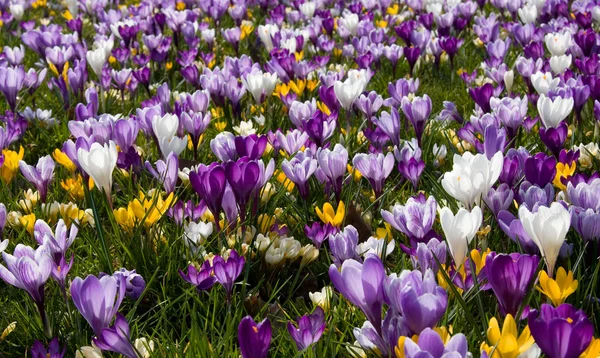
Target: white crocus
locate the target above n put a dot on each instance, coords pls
(544, 82)
(308, 9)
(144, 347)
(375, 246)
(588, 154)
(552, 112)
(350, 22)
(196, 234)
(96, 58)
(558, 43)
(348, 91)
(88, 352)
(17, 11)
(266, 33)
(260, 84)
(460, 229)
(322, 298)
(596, 13)
(165, 129)
(509, 79)
(548, 228)
(99, 163)
(560, 63)
(245, 128)
(472, 176)
(73, 6)
(528, 14)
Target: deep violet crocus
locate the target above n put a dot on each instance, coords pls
(203, 279)
(362, 285)
(561, 332)
(209, 183)
(166, 171)
(509, 277)
(318, 232)
(116, 338)
(254, 338)
(243, 176)
(540, 169)
(40, 175)
(38, 350)
(227, 271)
(98, 299)
(309, 329)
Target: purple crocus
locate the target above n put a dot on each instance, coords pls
(228, 271)
(390, 124)
(362, 285)
(417, 297)
(40, 175)
(125, 133)
(499, 198)
(166, 171)
(509, 277)
(254, 338)
(57, 242)
(202, 279)
(414, 219)
(332, 165)
(251, 146)
(300, 169)
(292, 141)
(430, 344)
(243, 176)
(561, 332)
(38, 350)
(98, 299)
(134, 283)
(209, 183)
(481, 96)
(375, 167)
(410, 164)
(309, 330)
(116, 338)
(554, 138)
(426, 256)
(417, 111)
(318, 232)
(28, 269)
(540, 169)
(343, 244)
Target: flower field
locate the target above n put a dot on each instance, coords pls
(318, 178)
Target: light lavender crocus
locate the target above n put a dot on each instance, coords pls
(98, 300)
(40, 176)
(417, 297)
(343, 245)
(332, 165)
(426, 256)
(375, 167)
(166, 171)
(291, 142)
(300, 169)
(430, 344)
(417, 111)
(390, 124)
(414, 219)
(29, 269)
(362, 285)
(11, 82)
(499, 199)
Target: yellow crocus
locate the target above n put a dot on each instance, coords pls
(593, 350)
(74, 186)
(11, 164)
(381, 24)
(479, 259)
(150, 210)
(356, 174)
(298, 86)
(312, 84)
(506, 343)
(246, 30)
(557, 290)
(393, 10)
(61, 158)
(180, 6)
(328, 216)
(285, 181)
(399, 349)
(563, 171)
(265, 222)
(323, 108)
(28, 222)
(124, 218)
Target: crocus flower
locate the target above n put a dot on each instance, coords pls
(98, 300)
(509, 277)
(28, 269)
(166, 171)
(309, 330)
(548, 228)
(426, 256)
(165, 129)
(375, 167)
(254, 339)
(460, 229)
(300, 169)
(430, 344)
(507, 342)
(472, 177)
(417, 297)
(332, 164)
(362, 285)
(260, 84)
(39, 350)
(202, 279)
(99, 162)
(414, 219)
(552, 112)
(228, 271)
(390, 124)
(417, 111)
(134, 283)
(40, 175)
(343, 244)
(328, 216)
(557, 290)
(209, 183)
(561, 332)
(57, 242)
(348, 91)
(11, 82)
(116, 338)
